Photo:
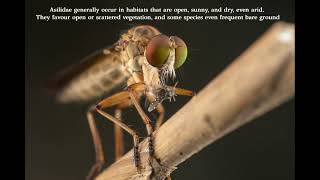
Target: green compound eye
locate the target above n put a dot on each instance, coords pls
(181, 51)
(158, 50)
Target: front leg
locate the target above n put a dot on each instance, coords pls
(132, 90)
(184, 92)
(160, 109)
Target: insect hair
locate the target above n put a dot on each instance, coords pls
(168, 71)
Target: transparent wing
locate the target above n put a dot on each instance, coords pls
(99, 73)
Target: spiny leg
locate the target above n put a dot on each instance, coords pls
(129, 130)
(97, 146)
(136, 88)
(118, 135)
(118, 132)
(160, 110)
(122, 99)
(132, 92)
(115, 99)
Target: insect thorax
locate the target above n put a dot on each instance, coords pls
(134, 60)
(132, 47)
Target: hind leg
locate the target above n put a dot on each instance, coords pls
(96, 168)
(113, 100)
(118, 132)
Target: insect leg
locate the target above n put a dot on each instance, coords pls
(184, 92)
(132, 89)
(108, 102)
(129, 130)
(118, 134)
(97, 146)
(160, 110)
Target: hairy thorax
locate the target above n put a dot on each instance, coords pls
(134, 60)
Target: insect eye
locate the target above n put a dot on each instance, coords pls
(181, 51)
(158, 50)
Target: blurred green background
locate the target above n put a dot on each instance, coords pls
(58, 140)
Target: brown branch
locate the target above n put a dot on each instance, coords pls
(256, 82)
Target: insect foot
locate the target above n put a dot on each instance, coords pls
(159, 171)
(151, 168)
(162, 94)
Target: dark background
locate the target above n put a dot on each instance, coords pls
(58, 141)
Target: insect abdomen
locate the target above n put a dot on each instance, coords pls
(96, 81)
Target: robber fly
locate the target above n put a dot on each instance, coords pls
(143, 60)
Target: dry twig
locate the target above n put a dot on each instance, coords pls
(256, 82)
